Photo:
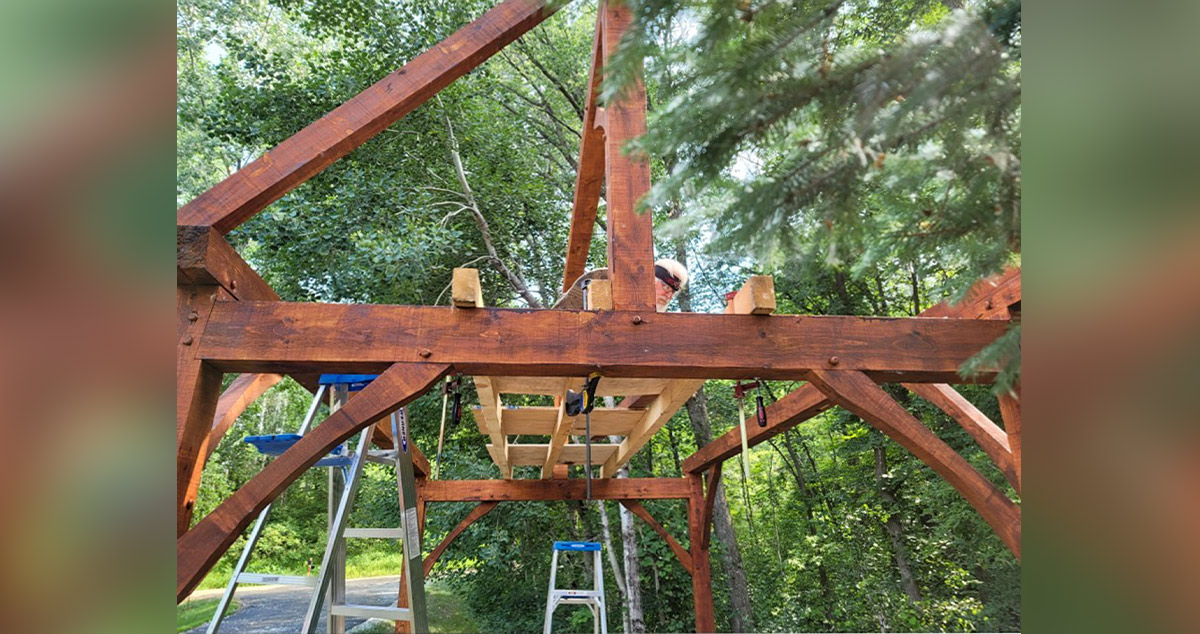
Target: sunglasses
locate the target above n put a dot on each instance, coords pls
(668, 279)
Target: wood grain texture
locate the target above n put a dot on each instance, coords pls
(756, 297)
(546, 490)
(287, 337)
(1010, 412)
(490, 409)
(204, 257)
(466, 291)
(560, 429)
(990, 437)
(988, 298)
(300, 157)
(197, 388)
(626, 180)
(552, 386)
(479, 511)
(244, 390)
(198, 549)
(807, 401)
(710, 498)
(794, 408)
(706, 620)
(684, 557)
(590, 175)
(541, 421)
(858, 394)
(524, 455)
(673, 396)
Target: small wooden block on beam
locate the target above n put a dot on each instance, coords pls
(465, 289)
(757, 297)
(599, 295)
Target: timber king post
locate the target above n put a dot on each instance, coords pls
(228, 320)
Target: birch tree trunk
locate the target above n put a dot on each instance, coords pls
(731, 557)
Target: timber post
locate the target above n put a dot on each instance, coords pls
(701, 573)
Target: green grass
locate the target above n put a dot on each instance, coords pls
(447, 615)
(447, 612)
(370, 564)
(190, 614)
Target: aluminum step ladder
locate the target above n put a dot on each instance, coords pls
(593, 598)
(329, 585)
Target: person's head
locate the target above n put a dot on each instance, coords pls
(669, 277)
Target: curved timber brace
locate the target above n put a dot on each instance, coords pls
(200, 548)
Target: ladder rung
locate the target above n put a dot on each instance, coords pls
(287, 580)
(387, 457)
(375, 533)
(372, 612)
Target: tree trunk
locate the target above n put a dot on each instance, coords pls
(894, 531)
(731, 558)
(618, 575)
(633, 585)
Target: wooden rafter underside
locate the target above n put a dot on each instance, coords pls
(499, 421)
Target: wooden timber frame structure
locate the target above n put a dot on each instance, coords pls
(231, 321)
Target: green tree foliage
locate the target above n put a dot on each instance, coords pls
(862, 148)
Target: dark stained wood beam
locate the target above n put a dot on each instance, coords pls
(204, 257)
(200, 548)
(710, 498)
(244, 390)
(684, 557)
(626, 180)
(988, 298)
(796, 407)
(706, 618)
(479, 511)
(300, 157)
(546, 490)
(287, 337)
(989, 435)
(197, 388)
(1010, 412)
(590, 175)
(857, 393)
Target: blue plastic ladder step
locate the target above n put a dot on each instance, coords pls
(354, 382)
(578, 546)
(276, 444)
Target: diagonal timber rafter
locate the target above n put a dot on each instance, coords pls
(300, 157)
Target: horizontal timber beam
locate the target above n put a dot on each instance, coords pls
(548, 490)
(291, 337)
(297, 159)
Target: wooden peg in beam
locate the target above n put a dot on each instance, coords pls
(465, 289)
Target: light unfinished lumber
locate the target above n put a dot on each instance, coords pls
(535, 455)
(653, 418)
(490, 412)
(465, 288)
